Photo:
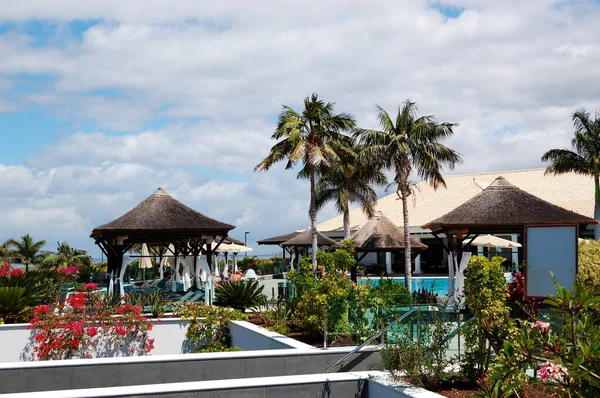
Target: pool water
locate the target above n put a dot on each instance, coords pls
(436, 285)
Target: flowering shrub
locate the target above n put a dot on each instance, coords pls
(565, 352)
(16, 273)
(4, 270)
(83, 325)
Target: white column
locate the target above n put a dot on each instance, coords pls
(388, 263)
(515, 254)
(418, 261)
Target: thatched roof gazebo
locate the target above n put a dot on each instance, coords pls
(160, 220)
(503, 208)
(277, 240)
(304, 239)
(380, 234)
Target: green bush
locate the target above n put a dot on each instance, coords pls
(588, 270)
(209, 326)
(239, 295)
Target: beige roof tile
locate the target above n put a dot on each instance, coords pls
(572, 191)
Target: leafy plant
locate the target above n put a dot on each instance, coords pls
(588, 269)
(209, 326)
(239, 295)
(565, 351)
(421, 357)
(485, 287)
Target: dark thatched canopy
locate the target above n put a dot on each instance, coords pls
(160, 214)
(304, 239)
(231, 239)
(277, 240)
(502, 204)
(380, 234)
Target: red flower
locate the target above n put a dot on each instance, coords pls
(4, 270)
(41, 309)
(17, 273)
(89, 287)
(92, 331)
(74, 343)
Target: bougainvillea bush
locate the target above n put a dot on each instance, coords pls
(84, 327)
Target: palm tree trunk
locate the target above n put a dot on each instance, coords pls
(407, 260)
(346, 223)
(313, 220)
(597, 207)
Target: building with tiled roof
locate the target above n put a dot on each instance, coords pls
(571, 191)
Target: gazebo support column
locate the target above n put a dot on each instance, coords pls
(388, 263)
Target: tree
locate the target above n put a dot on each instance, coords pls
(26, 251)
(5, 249)
(66, 255)
(346, 181)
(584, 158)
(315, 139)
(405, 144)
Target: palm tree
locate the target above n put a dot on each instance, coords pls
(5, 249)
(315, 138)
(348, 181)
(66, 255)
(584, 158)
(404, 144)
(26, 250)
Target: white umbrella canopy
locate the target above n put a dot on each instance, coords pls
(145, 261)
(232, 248)
(493, 241)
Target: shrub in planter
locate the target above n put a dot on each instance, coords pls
(239, 295)
(209, 326)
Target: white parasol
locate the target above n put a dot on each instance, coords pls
(492, 241)
(145, 261)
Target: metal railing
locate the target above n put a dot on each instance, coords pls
(370, 339)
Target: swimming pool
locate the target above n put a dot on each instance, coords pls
(435, 284)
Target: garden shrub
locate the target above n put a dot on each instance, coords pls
(588, 270)
(565, 352)
(209, 326)
(421, 358)
(326, 296)
(83, 324)
(486, 295)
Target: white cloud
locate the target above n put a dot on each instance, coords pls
(510, 73)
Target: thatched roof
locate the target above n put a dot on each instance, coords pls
(277, 240)
(160, 213)
(231, 239)
(380, 234)
(304, 239)
(502, 204)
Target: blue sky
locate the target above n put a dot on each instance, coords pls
(101, 103)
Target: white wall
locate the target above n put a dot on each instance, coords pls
(249, 337)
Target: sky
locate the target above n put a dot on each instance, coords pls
(103, 102)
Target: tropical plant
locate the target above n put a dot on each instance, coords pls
(26, 251)
(5, 250)
(405, 144)
(583, 158)
(315, 138)
(66, 256)
(346, 181)
(564, 348)
(20, 291)
(239, 295)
